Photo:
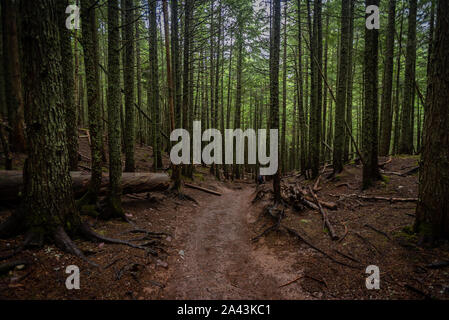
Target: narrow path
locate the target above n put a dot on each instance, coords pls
(219, 260)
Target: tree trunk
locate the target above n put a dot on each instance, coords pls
(301, 114)
(238, 94)
(11, 60)
(316, 88)
(349, 93)
(340, 108)
(386, 113)
(432, 213)
(274, 86)
(48, 202)
(90, 46)
(113, 100)
(128, 73)
(406, 144)
(68, 85)
(283, 159)
(397, 129)
(153, 88)
(370, 111)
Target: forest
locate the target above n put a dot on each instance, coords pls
(346, 101)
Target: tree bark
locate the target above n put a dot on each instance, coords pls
(128, 73)
(68, 85)
(13, 75)
(370, 112)
(274, 86)
(340, 109)
(91, 69)
(113, 100)
(47, 202)
(432, 213)
(386, 110)
(153, 88)
(406, 144)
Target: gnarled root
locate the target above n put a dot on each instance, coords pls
(93, 236)
(64, 242)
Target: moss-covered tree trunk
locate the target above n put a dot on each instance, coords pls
(432, 214)
(387, 92)
(342, 86)
(406, 143)
(91, 69)
(274, 86)
(130, 126)
(176, 81)
(13, 75)
(113, 101)
(349, 90)
(238, 92)
(188, 9)
(153, 88)
(48, 204)
(397, 114)
(370, 110)
(283, 160)
(316, 88)
(68, 86)
(301, 114)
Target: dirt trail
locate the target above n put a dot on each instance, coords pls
(219, 261)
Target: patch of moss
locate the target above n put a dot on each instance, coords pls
(198, 176)
(424, 229)
(407, 233)
(386, 179)
(89, 210)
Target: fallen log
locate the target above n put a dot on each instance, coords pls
(377, 198)
(192, 186)
(402, 174)
(11, 183)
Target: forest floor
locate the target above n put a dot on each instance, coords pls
(208, 252)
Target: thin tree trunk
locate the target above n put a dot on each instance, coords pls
(128, 74)
(406, 143)
(91, 62)
(370, 111)
(386, 120)
(274, 86)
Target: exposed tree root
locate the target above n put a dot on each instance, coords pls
(378, 231)
(64, 242)
(270, 211)
(93, 236)
(276, 226)
(148, 233)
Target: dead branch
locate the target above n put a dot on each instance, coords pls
(378, 231)
(383, 164)
(324, 215)
(192, 186)
(290, 282)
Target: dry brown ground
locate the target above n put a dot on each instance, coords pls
(209, 253)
